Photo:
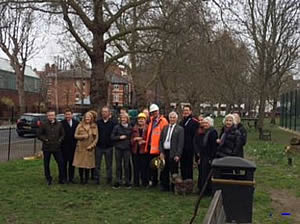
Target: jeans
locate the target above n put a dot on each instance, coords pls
(122, 161)
(108, 154)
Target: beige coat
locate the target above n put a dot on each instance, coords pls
(87, 137)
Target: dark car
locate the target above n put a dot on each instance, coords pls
(29, 123)
(76, 116)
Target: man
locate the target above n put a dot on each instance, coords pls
(69, 144)
(156, 125)
(104, 145)
(171, 145)
(190, 126)
(52, 134)
(243, 132)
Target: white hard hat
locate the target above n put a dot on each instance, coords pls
(153, 107)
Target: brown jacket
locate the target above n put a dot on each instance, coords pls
(135, 144)
(85, 149)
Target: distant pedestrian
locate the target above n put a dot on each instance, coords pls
(69, 144)
(121, 135)
(156, 125)
(87, 136)
(139, 152)
(190, 125)
(105, 145)
(51, 133)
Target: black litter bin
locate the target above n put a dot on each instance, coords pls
(235, 177)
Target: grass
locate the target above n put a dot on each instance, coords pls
(25, 197)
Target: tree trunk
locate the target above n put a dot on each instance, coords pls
(273, 114)
(261, 111)
(99, 83)
(20, 88)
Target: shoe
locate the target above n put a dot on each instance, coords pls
(109, 181)
(81, 181)
(72, 182)
(49, 182)
(97, 182)
(136, 185)
(128, 186)
(61, 182)
(116, 186)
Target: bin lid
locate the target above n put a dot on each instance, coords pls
(233, 162)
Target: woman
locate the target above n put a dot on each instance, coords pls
(87, 136)
(121, 134)
(139, 155)
(230, 141)
(205, 147)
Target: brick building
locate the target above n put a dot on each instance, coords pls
(71, 87)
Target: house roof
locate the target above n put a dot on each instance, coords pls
(112, 77)
(75, 73)
(5, 66)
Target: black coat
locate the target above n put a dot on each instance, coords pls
(69, 143)
(190, 126)
(205, 146)
(52, 135)
(231, 142)
(122, 144)
(243, 132)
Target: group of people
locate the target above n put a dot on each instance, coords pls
(135, 144)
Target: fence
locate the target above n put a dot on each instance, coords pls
(14, 147)
(290, 110)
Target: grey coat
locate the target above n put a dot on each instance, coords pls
(177, 140)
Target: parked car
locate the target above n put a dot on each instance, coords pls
(29, 123)
(76, 116)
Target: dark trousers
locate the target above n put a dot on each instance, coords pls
(122, 162)
(108, 155)
(171, 166)
(153, 173)
(203, 170)
(69, 169)
(86, 174)
(140, 169)
(60, 163)
(186, 164)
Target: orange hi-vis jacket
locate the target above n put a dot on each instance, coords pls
(153, 134)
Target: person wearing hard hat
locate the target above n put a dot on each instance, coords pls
(156, 125)
(139, 152)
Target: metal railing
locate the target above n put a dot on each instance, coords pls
(13, 147)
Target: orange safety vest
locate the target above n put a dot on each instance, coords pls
(155, 134)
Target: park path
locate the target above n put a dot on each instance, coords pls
(284, 201)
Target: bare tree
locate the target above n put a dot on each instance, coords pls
(272, 30)
(17, 39)
(89, 22)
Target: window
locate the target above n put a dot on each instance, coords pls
(116, 98)
(116, 86)
(83, 83)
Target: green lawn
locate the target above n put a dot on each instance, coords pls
(25, 197)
